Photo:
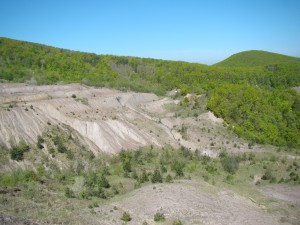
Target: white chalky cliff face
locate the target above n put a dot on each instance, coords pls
(104, 120)
(107, 118)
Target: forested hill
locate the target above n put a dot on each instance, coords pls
(29, 62)
(254, 98)
(257, 58)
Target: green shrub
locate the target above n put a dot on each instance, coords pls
(105, 170)
(23, 146)
(186, 153)
(205, 159)
(126, 217)
(127, 166)
(115, 190)
(163, 169)
(177, 222)
(137, 185)
(17, 152)
(251, 156)
(60, 147)
(230, 164)
(294, 176)
(183, 132)
(156, 177)
(223, 154)
(103, 182)
(93, 205)
(211, 169)
(69, 193)
(159, 217)
(144, 177)
(169, 178)
(134, 175)
(268, 175)
(177, 167)
(40, 141)
(83, 195)
(205, 177)
(100, 193)
(229, 178)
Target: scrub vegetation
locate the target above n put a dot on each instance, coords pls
(87, 181)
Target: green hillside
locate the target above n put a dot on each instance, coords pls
(257, 58)
(29, 62)
(250, 90)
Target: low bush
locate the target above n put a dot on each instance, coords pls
(69, 193)
(169, 178)
(126, 217)
(17, 152)
(159, 217)
(177, 222)
(268, 175)
(40, 142)
(177, 167)
(230, 163)
(156, 177)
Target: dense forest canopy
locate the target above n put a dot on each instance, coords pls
(256, 58)
(250, 90)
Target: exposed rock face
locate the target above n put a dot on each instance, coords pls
(107, 118)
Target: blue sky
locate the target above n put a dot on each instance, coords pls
(204, 31)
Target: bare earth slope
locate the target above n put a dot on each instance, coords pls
(104, 117)
(108, 120)
(189, 201)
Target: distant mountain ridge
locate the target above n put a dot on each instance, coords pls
(256, 58)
